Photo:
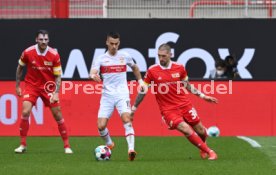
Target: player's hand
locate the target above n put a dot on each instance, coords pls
(210, 99)
(54, 98)
(142, 86)
(19, 91)
(96, 77)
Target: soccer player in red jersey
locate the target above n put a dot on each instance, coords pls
(169, 80)
(43, 79)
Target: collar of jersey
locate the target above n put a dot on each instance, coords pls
(169, 67)
(108, 54)
(38, 51)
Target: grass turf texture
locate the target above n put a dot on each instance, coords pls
(156, 156)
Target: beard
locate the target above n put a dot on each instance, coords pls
(163, 63)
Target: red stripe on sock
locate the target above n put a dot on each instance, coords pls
(129, 135)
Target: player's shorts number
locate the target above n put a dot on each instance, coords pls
(50, 95)
(193, 113)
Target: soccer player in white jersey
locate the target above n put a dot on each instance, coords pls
(113, 66)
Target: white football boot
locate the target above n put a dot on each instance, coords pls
(21, 149)
(68, 151)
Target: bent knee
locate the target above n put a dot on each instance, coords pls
(101, 125)
(26, 112)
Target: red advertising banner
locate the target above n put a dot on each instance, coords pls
(245, 108)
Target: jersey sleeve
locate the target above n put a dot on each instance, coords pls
(23, 60)
(57, 65)
(96, 64)
(184, 74)
(129, 60)
(148, 77)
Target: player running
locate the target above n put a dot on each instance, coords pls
(113, 66)
(169, 80)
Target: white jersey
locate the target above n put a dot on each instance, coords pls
(113, 69)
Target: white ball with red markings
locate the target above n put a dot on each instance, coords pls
(102, 152)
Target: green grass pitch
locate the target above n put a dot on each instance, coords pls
(156, 156)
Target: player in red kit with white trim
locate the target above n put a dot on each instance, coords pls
(169, 80)
(43, 79)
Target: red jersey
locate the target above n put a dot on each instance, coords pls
(41, 67)
(167, 85)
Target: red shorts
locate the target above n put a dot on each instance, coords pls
(176, 116)
(31, 94)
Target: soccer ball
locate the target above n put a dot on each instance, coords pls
(102, 152)
(213, 131)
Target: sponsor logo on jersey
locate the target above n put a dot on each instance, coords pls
(48, 63)
(176, 75)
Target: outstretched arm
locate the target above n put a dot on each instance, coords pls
(195, 91)
(19, 71)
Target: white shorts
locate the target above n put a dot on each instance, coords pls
(108, 103)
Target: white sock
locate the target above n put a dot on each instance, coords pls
(105, 136)
(129, 133)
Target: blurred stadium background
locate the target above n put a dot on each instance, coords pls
(137, 9)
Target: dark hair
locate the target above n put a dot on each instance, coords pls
(220, 63)
(165, 46)
(113, 35)
(231, 57)
(43, 32)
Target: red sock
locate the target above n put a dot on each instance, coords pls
(24, 128)
(196, 140)
(63, 133)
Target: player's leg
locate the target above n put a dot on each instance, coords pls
(192, 119)
(56, 111)
(201, 131)
(105, 112)
(123, 107)
(24, 126)
(30, 96)
(104, 132)
(192, 136)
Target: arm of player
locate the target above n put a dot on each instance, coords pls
(55, 97)
(138, 100)
(19, 71)
(94, 75)
(137, 74)
(195, 91)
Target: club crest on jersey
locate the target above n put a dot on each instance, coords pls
(122, 60)
(176, 75)
(48, 63)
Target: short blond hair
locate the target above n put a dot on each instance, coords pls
(166, 47)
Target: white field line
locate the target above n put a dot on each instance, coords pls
(252, 142)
